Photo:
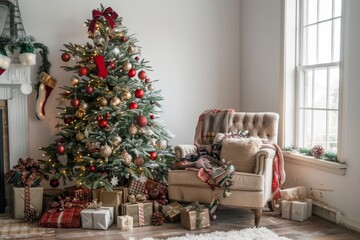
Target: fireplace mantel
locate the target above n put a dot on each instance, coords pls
(18, 125)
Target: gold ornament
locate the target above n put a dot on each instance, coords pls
(80, 113)
(80, 137)
(75, 81)
(115, 101)
(125, 94)
(132, 130)
(150, 86)
(106, 151)
(103, 102)
(116, 140)
(127, 66)
(125, 157)
(161, 144)
(84, 106)
(78, 157)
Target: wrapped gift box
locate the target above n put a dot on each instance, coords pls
(172, 211)
(100, 218)
(69, 218)
(191, 219)
(296, 210)
(295, 193)
(112, 199)
(125, 223)
(141, 212)
(49, 195)
(18, 200)
(80, 193)
(137, 186)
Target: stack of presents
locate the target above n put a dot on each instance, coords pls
(141, 202)
(295, 205)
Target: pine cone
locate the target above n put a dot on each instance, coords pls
(317, 151)
(31, 215)
(157, 218)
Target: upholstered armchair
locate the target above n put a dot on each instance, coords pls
(254, 181)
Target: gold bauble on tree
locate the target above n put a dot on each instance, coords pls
(80, 136)
(115, 101)
(103, 102)
(125, 94)
(75, 81)
(116, 140)
(80, 113)
(125, 157)
(84, 106)
(106, 151)
(127, 66)
(132, 129)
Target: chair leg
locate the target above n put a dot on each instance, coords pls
(257, 214)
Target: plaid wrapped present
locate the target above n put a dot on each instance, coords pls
(69, 218)
(137, 186)
(49, 195)
(80, 193)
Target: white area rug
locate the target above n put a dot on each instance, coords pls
(245, 234)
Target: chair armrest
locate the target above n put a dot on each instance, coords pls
(264, 161)
(184, 149)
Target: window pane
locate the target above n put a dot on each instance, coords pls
(320, 88)
(333, 131)
(306, 86)
(334, 88)
(337, 10)
(319, 128)
(324, 42)
(305, 128)
(337, 35)
(325, 9)
(310, 12)
(310, 44)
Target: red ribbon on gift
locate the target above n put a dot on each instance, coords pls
(109, 15)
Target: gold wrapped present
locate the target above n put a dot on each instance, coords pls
(125, 223)
(296, 210)
(172, 211)
(100, 218)
(112, 199)
(18, 200)
(295, 193)
(141, 212)
(195, 217)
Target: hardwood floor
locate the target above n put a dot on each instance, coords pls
(227, 219)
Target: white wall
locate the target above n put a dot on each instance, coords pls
(193, 47)
(260, 45)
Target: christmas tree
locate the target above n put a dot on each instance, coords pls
(109, 127)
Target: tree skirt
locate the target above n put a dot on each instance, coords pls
(245, 234)
(18, 229)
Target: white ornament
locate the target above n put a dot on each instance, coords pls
(63, 159)
(114, 181)
(106, 152)
(161, 144)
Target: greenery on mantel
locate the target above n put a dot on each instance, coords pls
(328, 155)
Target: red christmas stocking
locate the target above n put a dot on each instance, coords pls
(100, 64)
(4, 63)
(45, 88)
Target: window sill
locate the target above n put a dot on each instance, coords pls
(332, 167)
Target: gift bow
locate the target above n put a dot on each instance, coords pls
(109, 15)
(157, 195)
(94, 205)
(170, 210)
(64, 203)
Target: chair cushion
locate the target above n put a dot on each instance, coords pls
(241, 152)
(241, 181)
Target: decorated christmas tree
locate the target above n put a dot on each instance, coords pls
(109, 128)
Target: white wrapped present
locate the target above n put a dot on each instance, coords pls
(295, 193)
(296, 210)
(100, 218)
(125, 222)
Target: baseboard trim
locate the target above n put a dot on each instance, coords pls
(335, 216)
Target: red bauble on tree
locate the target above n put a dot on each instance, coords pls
(65, 57)
(75, 102)
(153, 155)
(89, 89)
(142, 75)
(112, 65)
(54, 183)
(60, 149)
(139, 93)
(68, 120)
(123, 39)
(98, 118)
(107, 115)
(152, 116)
(92, 168)
(133, 105)
(103, 123)
(141, 121)
(83, 71)
(132, 73)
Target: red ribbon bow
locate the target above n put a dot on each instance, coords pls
(109, 15)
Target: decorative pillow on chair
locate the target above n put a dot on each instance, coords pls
(241, 152)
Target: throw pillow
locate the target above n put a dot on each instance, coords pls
(241, 152)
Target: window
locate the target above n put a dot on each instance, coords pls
(313, 84)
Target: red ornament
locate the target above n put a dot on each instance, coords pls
(112, 65)
(54, 183)
(65, 57)
(147, 80)
(103, 123)
(133, 105)
(152, 116)
(153, 155)
(68, 120)
(83, 71)
(75, 102)
(107, 115)
(142, 75)
(139, 93)
(89, 89)
(60, 149)
(132, 73)
(141, 121)
(123, 39)
(98, 118)
(92, 168)
(137, 58)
